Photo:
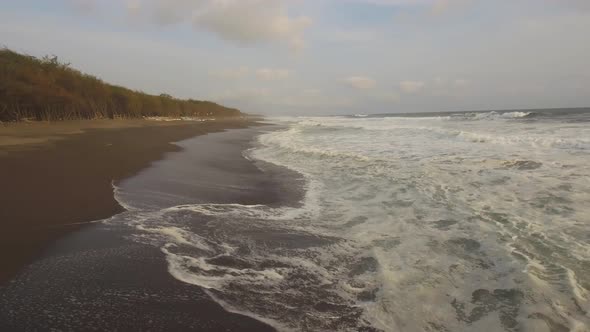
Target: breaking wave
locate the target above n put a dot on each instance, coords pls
(408, 224)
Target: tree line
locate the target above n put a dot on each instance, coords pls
(46, 89)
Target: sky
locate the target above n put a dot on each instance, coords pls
(315, 57)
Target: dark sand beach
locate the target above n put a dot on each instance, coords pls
(56, 177)
(95, 277)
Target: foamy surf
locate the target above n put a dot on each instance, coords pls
(408, 224)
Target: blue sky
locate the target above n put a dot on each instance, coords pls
(322, 56)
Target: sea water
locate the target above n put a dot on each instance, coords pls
(431, 222)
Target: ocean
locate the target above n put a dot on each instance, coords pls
(473, 221)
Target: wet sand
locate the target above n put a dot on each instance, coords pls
(98, 278)
(55, 176)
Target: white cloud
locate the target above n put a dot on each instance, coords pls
(361, 82)
(242, 21)
(411, 86)
(270, 74)
(252, 21)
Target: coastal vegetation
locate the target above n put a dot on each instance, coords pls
(46, 89)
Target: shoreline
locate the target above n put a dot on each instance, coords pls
(58, 177)
(122, 284)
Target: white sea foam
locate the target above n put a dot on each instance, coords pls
(119, 199)
(408, 224)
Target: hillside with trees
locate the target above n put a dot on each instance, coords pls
(45, 89)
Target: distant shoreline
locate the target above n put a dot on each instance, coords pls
(58, 176)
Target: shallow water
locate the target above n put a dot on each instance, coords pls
(454, 222)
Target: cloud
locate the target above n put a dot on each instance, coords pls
(241, 21)
(361, 82)
(252, 21)
(411, 86)
(270, 74)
